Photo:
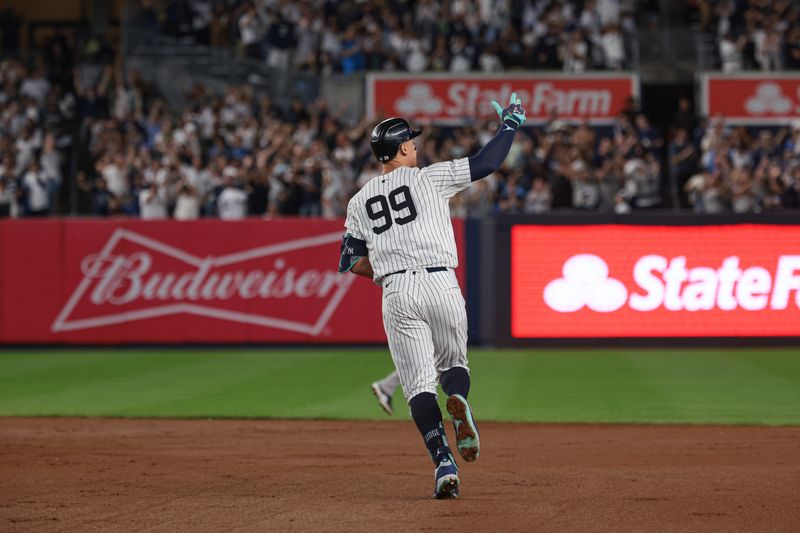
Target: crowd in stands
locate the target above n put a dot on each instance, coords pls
(426, 35)
(237, 155)
(722, 169)
(576, 167)
(37, 106)
(40, 104)
(754, 34)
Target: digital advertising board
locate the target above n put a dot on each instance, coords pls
(623, 281)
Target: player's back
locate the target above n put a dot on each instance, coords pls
(404, 217)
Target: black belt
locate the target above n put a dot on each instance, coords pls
(429, 269)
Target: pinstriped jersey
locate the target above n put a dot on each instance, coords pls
(404, 217)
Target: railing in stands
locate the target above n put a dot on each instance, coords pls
(176, 63)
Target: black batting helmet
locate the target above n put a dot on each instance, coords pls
(388, 136)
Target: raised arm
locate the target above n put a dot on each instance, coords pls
(491, 156)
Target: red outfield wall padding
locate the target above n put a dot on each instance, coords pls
(655, 281)
(133, 281)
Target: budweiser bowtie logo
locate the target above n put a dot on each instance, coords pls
(135, 277)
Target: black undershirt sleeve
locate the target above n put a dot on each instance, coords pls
(491, 156)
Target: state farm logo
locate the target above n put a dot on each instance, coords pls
(451, 99)
(538, 99)
(585, 284)
(769, 99)
(669, 283)
(135, 277)
(419, 99)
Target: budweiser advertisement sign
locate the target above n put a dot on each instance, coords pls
(172, 282)
(654, 281)
(751, 98)
(454, 99)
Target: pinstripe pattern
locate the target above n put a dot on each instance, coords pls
(424, 314)
(426, 325)
(425, 241)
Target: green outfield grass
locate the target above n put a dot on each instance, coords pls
(721, 386)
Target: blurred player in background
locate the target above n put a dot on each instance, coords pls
(384, 390)
(399, 234)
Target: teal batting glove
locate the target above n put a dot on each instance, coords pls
(513, 114)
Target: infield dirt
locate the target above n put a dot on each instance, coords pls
(255, 475)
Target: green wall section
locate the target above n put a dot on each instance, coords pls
(720, 386)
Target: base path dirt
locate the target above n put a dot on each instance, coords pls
(251, 475)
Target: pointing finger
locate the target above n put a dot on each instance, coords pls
(513, 98)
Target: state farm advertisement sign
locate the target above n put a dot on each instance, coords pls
(80, 281)
(453, 99)
(752, 98)
(655, 281)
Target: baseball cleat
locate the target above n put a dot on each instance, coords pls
(446, 476)
(467, 437)
(384, 400)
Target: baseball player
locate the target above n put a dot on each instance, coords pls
(399, 234)
(384, 390)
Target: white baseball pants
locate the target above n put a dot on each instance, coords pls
(425, 319)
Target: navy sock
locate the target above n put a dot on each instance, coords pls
(428, 417)
(455, 381)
